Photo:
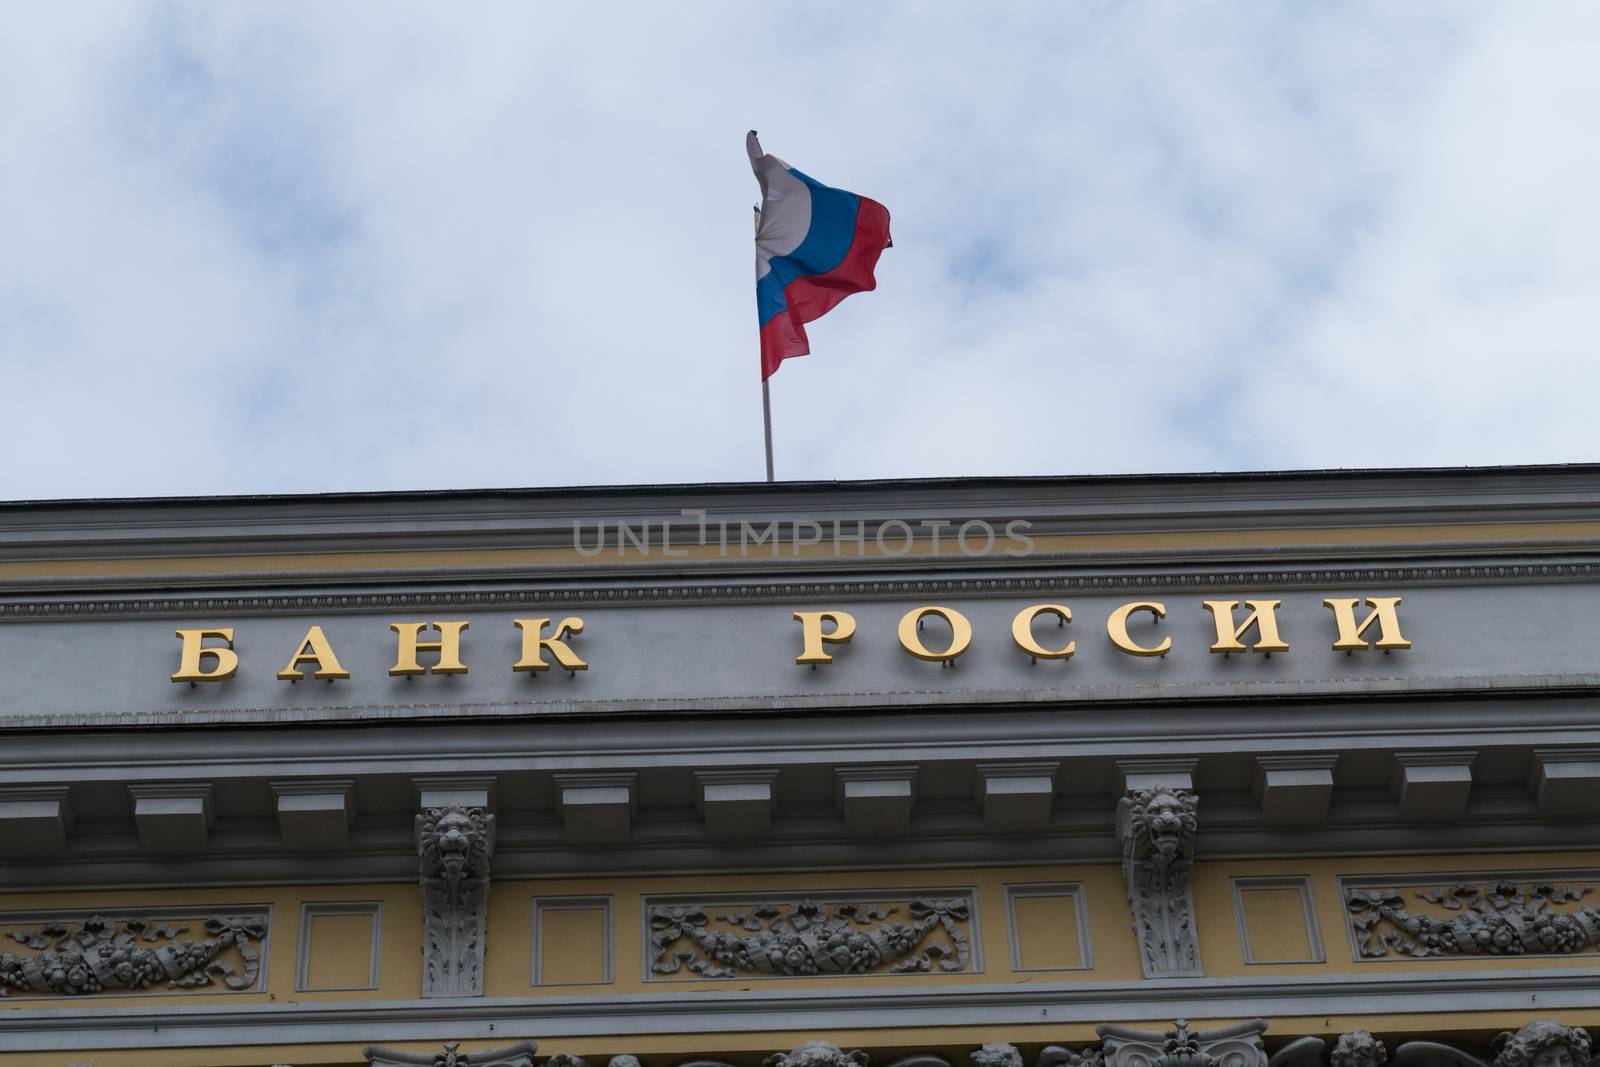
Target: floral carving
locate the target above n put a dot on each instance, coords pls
(1157, 827)
(809, 937)
(1494, 919)
(454, 846)
(102, 955)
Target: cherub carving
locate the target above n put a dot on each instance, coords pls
(1541, 1043)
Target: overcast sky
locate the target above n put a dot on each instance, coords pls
(277, 248)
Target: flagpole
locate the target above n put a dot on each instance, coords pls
(766, 421)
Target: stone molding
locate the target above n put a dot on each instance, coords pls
(454, 847)
(780, 590)
(75, 1028)
(1157, 829)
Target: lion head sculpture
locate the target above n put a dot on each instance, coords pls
(455, 842)
(1158, 824)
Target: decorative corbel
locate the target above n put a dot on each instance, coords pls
(454, 846)
(1157, 828)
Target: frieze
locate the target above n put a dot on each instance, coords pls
(860, 934)
(1480, 916)
(81, 955)
(772, 591)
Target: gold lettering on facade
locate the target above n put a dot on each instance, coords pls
(812, 636)
(1263, 615)
(192, 659)
(1117, 629)
(960, 634)
(534, 644)
(1383, 612)
(448, 647)
(314, 649)
(1022, 631)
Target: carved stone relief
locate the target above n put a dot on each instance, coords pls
(1157, 828)
(454, 846)
(1488, 918)
(793, 938)
(518, 1055)
(1541, 1043)
(1238, 1045)
(82, 955)
(1544, 1043)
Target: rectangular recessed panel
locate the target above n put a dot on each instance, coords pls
(338, 946)
(1275, 921)
(572, 943)
(1048, 929)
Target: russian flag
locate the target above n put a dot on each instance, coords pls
(815, 245)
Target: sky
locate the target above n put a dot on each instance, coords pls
(260, 247)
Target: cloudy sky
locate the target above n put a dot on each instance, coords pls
(277, 248)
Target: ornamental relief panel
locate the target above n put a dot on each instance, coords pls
(1500, 914)
(141, 951)
(757, 936)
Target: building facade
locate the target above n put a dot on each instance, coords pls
(1171, 771)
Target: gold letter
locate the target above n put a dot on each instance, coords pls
(191, 661)
(960, 634)
(315, 648)
(448, 646)
(1117, 629)
(1263, 613)
(812, 638)
(1022, 631)
(1344, 613)
(534, 644)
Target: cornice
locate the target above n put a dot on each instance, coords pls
(754, 1011)
(774, 588)
(365, 522)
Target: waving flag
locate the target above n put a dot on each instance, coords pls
(815, 245)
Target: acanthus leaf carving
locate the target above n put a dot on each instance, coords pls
(518, 1055)
(101, 954)
(454, 847)
(812, 937)
(1157, 827)
(1238, 1045)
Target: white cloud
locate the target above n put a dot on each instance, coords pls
(278, 248)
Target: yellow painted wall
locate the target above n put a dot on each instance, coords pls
(508, 961)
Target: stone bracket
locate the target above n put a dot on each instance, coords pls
(736, 805)
(876, 800)
(1157, 828)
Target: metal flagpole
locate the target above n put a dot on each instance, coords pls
(766, 420)
(766, 394)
